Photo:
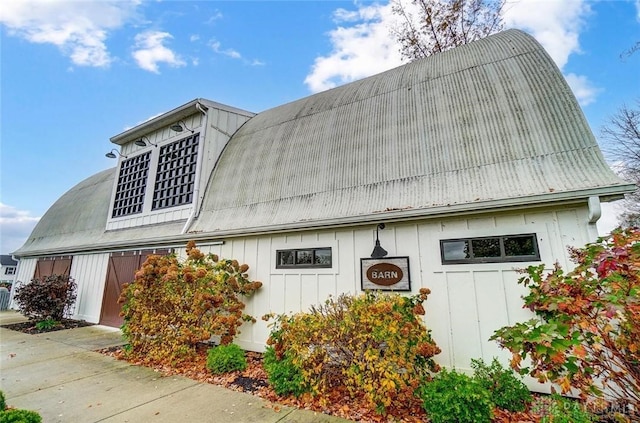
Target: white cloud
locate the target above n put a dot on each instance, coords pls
(556, 25)
(360, 50)
(582, 88)
(362, 45)
(15, 227)
(214, 17)
(217, 47)
(151, 51)
(78, 28)
(638, 10)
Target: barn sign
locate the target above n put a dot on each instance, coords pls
(388, 273)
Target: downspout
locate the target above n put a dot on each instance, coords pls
(196, 188)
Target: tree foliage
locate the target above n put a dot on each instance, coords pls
(587, 336)
(171, 306)
(428, 27)
(622, 134)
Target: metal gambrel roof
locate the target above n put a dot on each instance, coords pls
(77, 221)
(485, 125)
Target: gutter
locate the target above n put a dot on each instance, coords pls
(536, 201)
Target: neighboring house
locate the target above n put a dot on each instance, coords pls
(478, 161)
(8, 268)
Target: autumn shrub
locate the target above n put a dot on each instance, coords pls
(226, 358)
(507, 390)
(284, 377)
(453, 397)
(172, 306)
(587, 334)
(19, 416)
(373, 345)
(49, 297)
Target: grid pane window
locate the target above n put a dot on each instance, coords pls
(132, 183)
(303, 258)
(175, 177)
(495, 249)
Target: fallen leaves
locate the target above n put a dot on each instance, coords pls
(253, 380)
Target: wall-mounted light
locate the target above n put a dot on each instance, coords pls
(112, 155)
(378, 252)
(141, 142)
(177, 127)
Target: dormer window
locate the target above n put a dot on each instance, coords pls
(175, 177)
(139, 190)
(132, 183)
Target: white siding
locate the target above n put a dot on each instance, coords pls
(468, 301)
(24, 274)
(89, 272)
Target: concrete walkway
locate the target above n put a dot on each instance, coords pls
(59, 375)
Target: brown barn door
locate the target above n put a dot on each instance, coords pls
(122, 269)
(48, 266)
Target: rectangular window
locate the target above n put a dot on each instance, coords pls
(10, 271)
(175, 177)
(303, 258)
(494, 249)
(132, 183)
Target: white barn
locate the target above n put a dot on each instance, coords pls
(478, 160)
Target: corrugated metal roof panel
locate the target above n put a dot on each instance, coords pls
(488, 121)
(487, 125)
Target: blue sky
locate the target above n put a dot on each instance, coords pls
(75, 73)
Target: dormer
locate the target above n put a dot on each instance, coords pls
(164, 162)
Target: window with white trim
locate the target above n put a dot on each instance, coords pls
(490, 249)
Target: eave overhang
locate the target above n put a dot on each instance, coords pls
(171, 117)
(609, 193)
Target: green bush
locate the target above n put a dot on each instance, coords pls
(226, 358)
(3, 402)
(561, 410)
(374, 345)
(284, 376)
(20, 416)
(507, 390)
(453, 397)
(49, 297)
(46, 324)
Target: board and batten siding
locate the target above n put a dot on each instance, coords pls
(89, 272)
(467, 302)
